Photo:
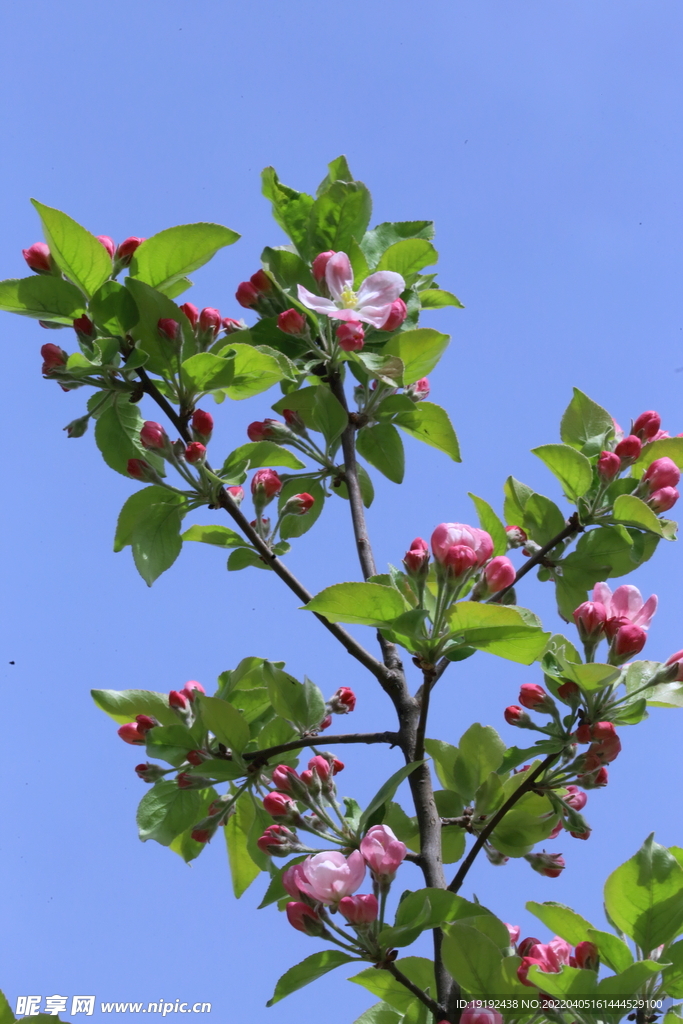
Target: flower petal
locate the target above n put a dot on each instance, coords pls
(627, 600)
(316, 302)
(603, 595)
(375, 315)
(338, 274)
(643, 618)
(380, 289)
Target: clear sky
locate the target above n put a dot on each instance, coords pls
(545, 141)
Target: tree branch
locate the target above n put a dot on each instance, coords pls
(355, 649)
(573, 526)
(308, 741)
(430, 1003)
(526, 786)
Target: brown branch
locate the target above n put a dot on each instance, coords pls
(355, 649)
(525, 787)
(573, 526)
(308, 741)
(431, 1004)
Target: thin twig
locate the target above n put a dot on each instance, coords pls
(430, 1003)
(308, 741)
(525, 787)
(573, 526)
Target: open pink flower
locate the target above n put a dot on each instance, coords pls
(626, 603)
(371, 303)
(383, 852)
(329, 876)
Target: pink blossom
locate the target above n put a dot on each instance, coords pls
(500, 573)
(359, 909)
(663, 499)
(383, 852)
(662, 473)
(372, 303)
(447, 535)
(576, 798)
(329, 876)
(290, 880)
(626, 602)
(514, 931)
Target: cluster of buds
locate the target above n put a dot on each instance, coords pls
(659, 484)
(604, 748)
(551, 957)
(533, 697)
(342, 702)
(257, 293)
(207, 324)
(136, 732)
(622, 617)
(154, 438)
(569, 805)
(460, 550)
(182, 700)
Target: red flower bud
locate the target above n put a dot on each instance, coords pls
(278, 841)
(124, 253)
(609, 466)
(663, 499)
(596, 781)
(350, 335)
(140, 470)
(153, 435)
(299, 504)
(416, 561)
(210, 320)
(262, 430)
(629, 448)
(569, 692)
(247, 295)
(326, 723)
(195, 453)
(459, 559)
(53, 356)
(294, 421)
(261, 281)
(662, 473)
(291, 322)
(230, 325)
(191, 689)
(577, 799)
(38, 258)
(586, 834)
(236, 493)
(534, 697)
(108, 244)
(145, 722)
(169, 329)
(549, 864)
(514, 715)
(195, 757)
(677, 659)
(283, 776)
(590, 618)
(525, 945)
(359, 909)
(177, 700)
(517, 537)
(303, 918)
(419, 390)
(587, 956)
(201, 835)
(131, 733)
(647, 425)
(191, 312)
(583, 733)
(202, 423)
(84, 325)
(346, 698)
(320, 264)
(397, 314)
(321, 766)
(278, 805)
(499, 574)
(149, 772)
(184, 781)
(265, 484)
(628, 640)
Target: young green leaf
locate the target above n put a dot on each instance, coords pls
(206, 372)
(291, 210)
(644, 896)
(472, 958)
(310, 969)
(243, 868)
(431, 424)
(340, 214)
(43, 298)
(117, 434)
(76, 252)
(136, 507)
(387, 790)
(419, 350)
(225, 722)
(377, 241)
(381, 445)
(408, 256)
(156, 541)
(586, 425)
(501, 630)
(613, 950)
(561, 920)
(124, 705)
(153, 306)
(166, 810)
(221, 536)
(489, 521)
(633, 512)
(571, 468)
(367, 604)
(437, 298)
(480, 752)
(167, 257)
(254, 371)
(382, 984)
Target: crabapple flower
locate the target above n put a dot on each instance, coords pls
(625, 603)
(609, 466)
(202, 423)
(329, 876)
(629, 447)
(191, 312)
(663, 499)
(108, 244)
(662, 473)
(359, 909)
(514, 715)
(372, 303)
(416, 560)
(590, 618)
(383, 852)
(38, 258)
(576, 799)
(304, 918)
(449, 535)
(265, 485)
(628, 640)
(499, 573)
(290, 880)
(647, 425)
(534, 697)
(291, 322)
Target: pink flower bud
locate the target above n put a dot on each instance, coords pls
(517, 537)
(534, 697)
(38, 258)
(459, 559)
(350, 335)
(108, 244)
(304, 918)
(663, 499)
(210, 320)
(177, 700)
(499, 573)
(416, 561)
(278, 805)
(169, 329)
(145, 722)
(262, 430)
(236, 493)
(590, 618)
(577, 799)
(526, 944)
(609, 466)
(474, 1014)
(382, 851)
(677, 659)
(140, 470)
(320, 264)
(556, 831)
(346, 698)
(629, 448)
(629, 640)
(247, 295)
(647, 425)
(53, 356)
(587, 956)
(261, 281)
(202, 423)
(124, 253)
(195, 453)
(290, 880)
(549, 864)
(230, 326)
(292, 322)
(265, 484)
(201, 835)
(195, 757)
(447, 535)
(131, 733)
(325, 724)
(191, 689)
(153, 435)
(149, 772)
(278, 841)
(515, 715)
(569, 693)
(299, 504)
(84, 325)
(191, 312)
(397, 314)
(321, 766)
(310, 781)
(359, 909)
(662, 473)
(283, 776)
(419, 390)
(294, 421)
(596, 781)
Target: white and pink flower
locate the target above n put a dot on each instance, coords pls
(371, 304)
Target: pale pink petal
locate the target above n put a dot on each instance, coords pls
(380, 289)
(339, 274)
(375, 315)
(316, 302)
(603, 595)
(626, 600)
(644, 617)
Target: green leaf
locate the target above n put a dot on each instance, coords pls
(634, 512)
(375, 242)
(430, 423)
(337, 170)
(43, 298)
(592, 677)
(340, 214)
(243, 868)
(585, 424)
(300, 703)
(530, 821)
(380, 1013)
(472, 958)
(367, 604)
(568, 981)
(382, 984)
(113, 308)
(571, 468)
(669, 447)
(310, 969)
(117, 434)
(258, 454)
(644, 897)
(501, 630)
(328, 415)
(562, 920)
(382, 447)
(136, 507)
(629, 981)
(444, 756)
(225, 722)
(291, 209)
(255, 371)
(124, 705)
(168, 256)
(489, 521)
(153, 306)
(166, 810)
(156, 541)
(672, 977)
(543, 520)
(207, 372)
(437, 298)
(7, 1017)
(517, 495)
(419, 350)
(295, 525)
(245, 557)
(480, 752)
(221, 536)
(184, 845)
(288, 269)
(75, 251)
(612, 949)
(408, 256)
(386, 791)
(170, 743)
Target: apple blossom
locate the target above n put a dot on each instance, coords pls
(626, 602)
(328, 876)
(372, 303)
(359, 910)
(448, 535)
(629, 448)
(38, 258)
(383, 852)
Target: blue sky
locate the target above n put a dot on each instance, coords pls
(545, 141)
